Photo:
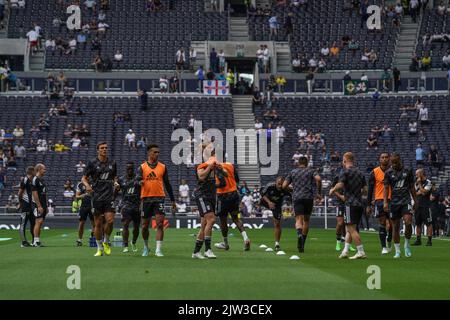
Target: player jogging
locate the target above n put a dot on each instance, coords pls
(303, 180)
(423, 213)
(375, 200)
(102, 172)
(400, 182)
(84, 212)
(353, 182)
(228, 202)
(340, 210)
(272, 198)
(130, 205)
(40, 210)
(153, 177)
(205, 197)
(26, 208)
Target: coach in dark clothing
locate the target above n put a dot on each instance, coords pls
(143, 97)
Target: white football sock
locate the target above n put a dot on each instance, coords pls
(158, 245)
(397, 247)
(244, 235)
(99, 245)
(360, 248)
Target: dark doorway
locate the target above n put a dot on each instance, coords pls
(238, 8)
(243, 69)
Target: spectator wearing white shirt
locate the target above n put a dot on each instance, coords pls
(266, 59)
(302, 133)
(101, 28)
(281, 133)
(260, 58)
(441, 9)
(423, 115)
(247, 200)
(80, 166)
(364, 77)
(73, 46)
(325, 51)
(322, 65)
(312, 64)
(258, 126)
(297, 155)
(118, 58)
(41, 145)
(191, 123)
(192, 58)
(412, 127)
(446, 62)
(296, 64)
(184, 192)
(130, 139)
(50, 45)
(75, 141)
(33, 38)
(14, 3)
(273, 25)
(90, 5)
(21, 4)
(163, 84)
(180, 59)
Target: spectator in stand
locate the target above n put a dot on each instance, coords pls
(213, 60)
(280, 133)
(97, 64)
(446, 62)
(13, 202)
(322, 65)
(20, 152)
(221, 57)
(397, 82)
(426, 62)
(175, 122)
(440, 10)
(143, 98)
(90, 5)
(386, 80)
(18, 133)
(200, 73)
(412, 127)
(68, 190)
(191, 123)
(372, 141)
(297, 155)
(192, 58)
(281, 82)
(296, 64)
(41, 145)
(421, 137)
(258, 126)
(118, 58)
(180, 59)
(76, 142)
(60, 147)
(80, 166)
(257, 98)
(386, 133)
(434, 157)
(33, 39)
(130, 139)
(174, 83)
(423, 114)
(50, 45)
(142, 142)
(163, 84)
(184, 193)
(420, 155)
(376, 96)
(211, 75)
(273, 26)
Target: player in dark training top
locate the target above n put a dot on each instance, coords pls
(340, 210)
(26, 207)
(423, 215)
(375, 199)
(205, 196)
(353, 182)
(228, 202)
(272, 196)
(40, 205)
(84, 212)
(130, 205)
(304, 181)
(102, 173)
(400, 182)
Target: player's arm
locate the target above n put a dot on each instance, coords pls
(35, 195)
(85, 179)
(169, 190)
(337, 186)
(203, 173)
(266, 198)
(79, 195)
(387, 186)
(139, 177)
(318, 180)
(287, 183)
(371, 188)
(412, 190)
(220, 177)
(21, 192)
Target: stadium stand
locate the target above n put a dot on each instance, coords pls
(155, 124)
(324, 22)
(147, 40)
(331, 116)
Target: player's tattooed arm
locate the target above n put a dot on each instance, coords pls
(203, 173)
(220, 175)
(371, 188)
(168, 186)
(318, 180)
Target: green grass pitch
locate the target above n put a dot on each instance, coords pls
(40, 273)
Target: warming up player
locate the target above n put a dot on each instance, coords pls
(272, 198)
(39, 191)
(423, 215)
(205, 197)
(153, 178)
(400, 182)
(228, 204)
(353, 182)
(375, 200)
(102, 173)
(130, 204)
(303, 181)
(84, 212)
(26, 209)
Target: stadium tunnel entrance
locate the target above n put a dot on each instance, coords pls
(245, 68)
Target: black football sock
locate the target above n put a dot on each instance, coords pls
(418, 237)
(304, 240)
(198, 246)
(389, 237)
(207, 243)
(338, 236)
(299, 232)
(429, 238)
(382, 234)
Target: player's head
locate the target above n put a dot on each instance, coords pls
(208, 150)
(40, 169)
(30, 171)
(303, 162)
(420, 174)
(348, 159)
(102, 149)
(130, 168)
(279, 183)
(396, 161)
(153, 152)
(384, 159)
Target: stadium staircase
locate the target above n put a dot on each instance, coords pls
(245, 119)
(442, 178)
(406, 45)
(202, 53)
(283, 57)
(238, 29)
(37, 61)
